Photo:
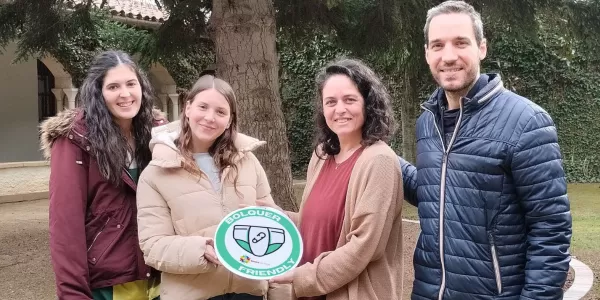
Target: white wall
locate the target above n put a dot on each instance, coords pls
(24, 181)
(18, 109)
(19, 102)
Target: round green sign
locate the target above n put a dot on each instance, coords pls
(258, 243)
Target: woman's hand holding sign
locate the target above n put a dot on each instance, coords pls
(288, 277)
(210, 254)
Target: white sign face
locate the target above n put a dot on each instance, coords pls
(258, 243)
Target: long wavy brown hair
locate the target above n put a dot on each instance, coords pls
(223, 150)
(108, 142)
(379, 117)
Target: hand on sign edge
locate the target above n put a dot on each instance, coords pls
(210, 254)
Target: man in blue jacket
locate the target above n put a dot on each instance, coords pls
(488, 181)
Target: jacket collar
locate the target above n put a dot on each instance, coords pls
(481, 98)
(165, 153)
(70, 123)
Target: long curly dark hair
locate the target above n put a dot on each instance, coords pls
(108, 143)
(223, 150)
(379, 117)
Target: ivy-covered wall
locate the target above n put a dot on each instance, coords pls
(299, 61)
(568, 89)
(567, 85)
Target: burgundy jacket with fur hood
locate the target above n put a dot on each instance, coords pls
(93, 223)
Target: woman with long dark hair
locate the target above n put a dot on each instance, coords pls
(96, 153)
(349, 218)
(201, 170)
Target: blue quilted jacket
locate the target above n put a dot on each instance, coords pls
(493, 204)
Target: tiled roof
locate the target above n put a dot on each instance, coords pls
(146, 10)
(136, 9)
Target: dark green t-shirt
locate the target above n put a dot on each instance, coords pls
(134, 173)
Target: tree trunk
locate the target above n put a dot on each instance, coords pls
(246, 55)
(409, 115)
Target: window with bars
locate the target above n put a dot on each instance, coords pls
(46, 100)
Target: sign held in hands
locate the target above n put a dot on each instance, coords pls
(258, 243)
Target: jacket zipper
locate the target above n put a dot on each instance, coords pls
(106, 223)
(496, 265)
(230, 277)
(443, 192)
(98, 234)
(221, 192)
(224, 213)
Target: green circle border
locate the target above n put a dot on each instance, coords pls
(232, 263)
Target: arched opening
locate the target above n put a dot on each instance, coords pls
(46, 99)
(165, 87)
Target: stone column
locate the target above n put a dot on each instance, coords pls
(175, 102)
(71, 94)
(58, 94)
(164, 101)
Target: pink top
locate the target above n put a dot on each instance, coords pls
(323, 213)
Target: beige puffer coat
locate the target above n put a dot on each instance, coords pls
(178, 213)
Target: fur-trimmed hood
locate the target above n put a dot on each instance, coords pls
(55, 127)
(65, 121)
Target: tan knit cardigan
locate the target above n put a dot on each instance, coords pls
(367, 263)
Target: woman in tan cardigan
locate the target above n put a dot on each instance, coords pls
(201, 170)
(350, 214)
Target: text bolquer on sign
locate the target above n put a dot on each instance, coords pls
(258, 243)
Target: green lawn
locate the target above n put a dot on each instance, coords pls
(585, 207)
(585, 243)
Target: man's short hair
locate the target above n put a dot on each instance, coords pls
(455, 7)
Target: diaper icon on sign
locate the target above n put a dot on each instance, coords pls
(259, 241)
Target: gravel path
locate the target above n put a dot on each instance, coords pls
(25, 270)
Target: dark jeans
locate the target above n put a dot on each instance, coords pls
(232, 296)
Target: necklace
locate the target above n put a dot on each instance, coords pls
(348, 153)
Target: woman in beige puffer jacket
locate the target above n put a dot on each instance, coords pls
(201, 170)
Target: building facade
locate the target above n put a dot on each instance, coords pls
(40, 87)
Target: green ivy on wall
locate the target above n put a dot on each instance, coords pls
(185, 68)
(300, 59)
(547, 71)
(568, 88)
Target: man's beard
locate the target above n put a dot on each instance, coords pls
(469, 81)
